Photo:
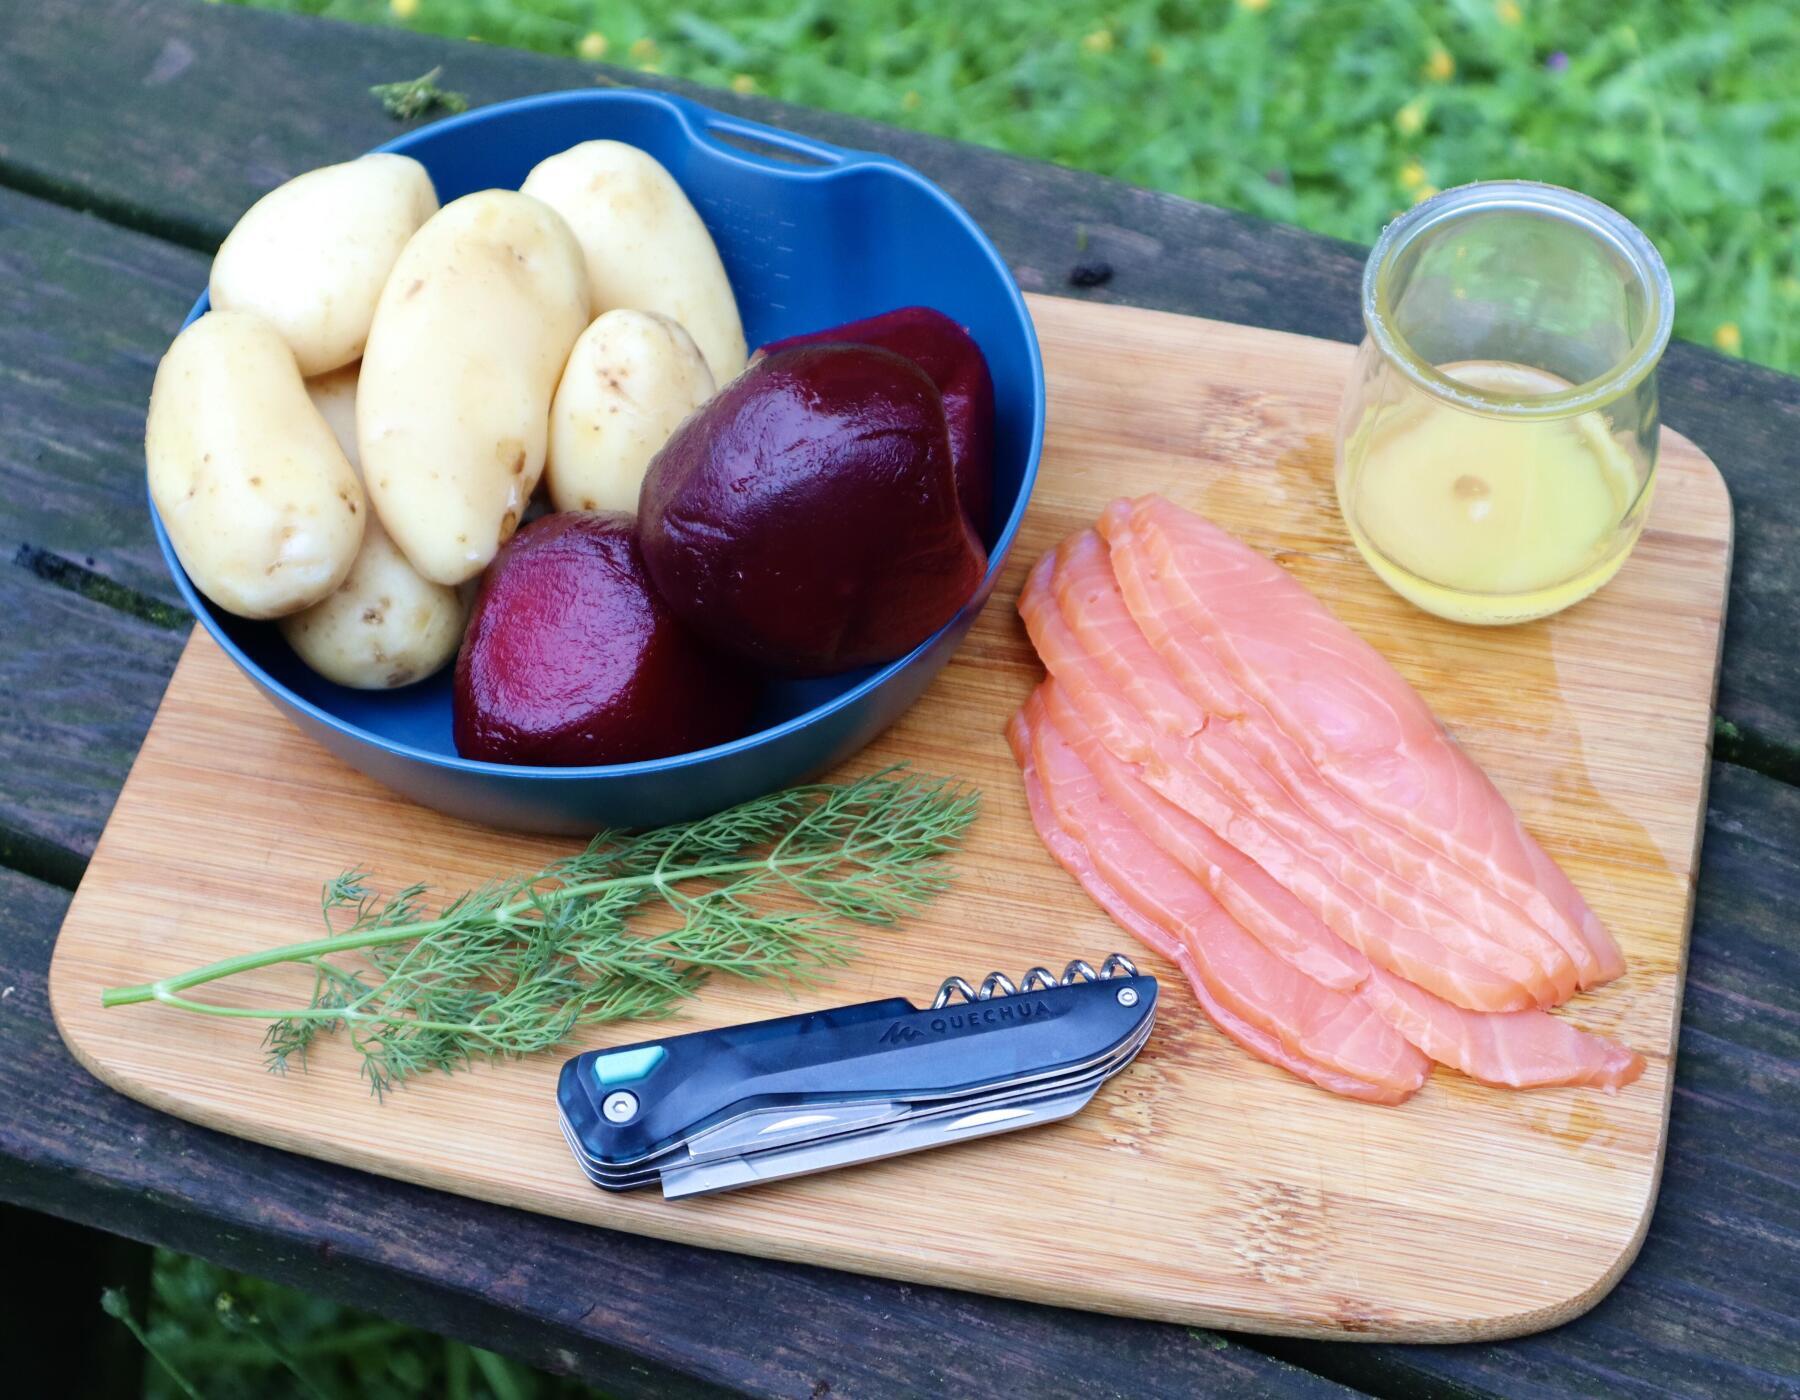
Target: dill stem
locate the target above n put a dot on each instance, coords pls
(310, 1013)
(167, 989)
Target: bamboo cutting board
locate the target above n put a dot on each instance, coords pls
(1200, 1186)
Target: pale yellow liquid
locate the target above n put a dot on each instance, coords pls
(1490, 520)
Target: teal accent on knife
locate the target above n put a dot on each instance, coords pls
(627, 1066)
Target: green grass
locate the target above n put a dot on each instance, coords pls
(1324, 113)
(226, 1334)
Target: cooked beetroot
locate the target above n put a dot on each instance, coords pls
(806, 517)
(571, 658)
(949, 354)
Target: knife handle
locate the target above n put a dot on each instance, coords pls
(665, 1091)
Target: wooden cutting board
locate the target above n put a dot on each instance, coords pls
(1200, 1186)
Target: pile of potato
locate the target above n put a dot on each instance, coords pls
(359, 424)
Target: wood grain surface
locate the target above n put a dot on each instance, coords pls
(1200, 1186)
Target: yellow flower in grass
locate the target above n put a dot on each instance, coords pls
(1410, 119)
(592, 45)
(1729, 338)
(1256, 7)
(910, 102)
(403, 9)
(1440, 67)
(1508, 12)
(1100, 41)
(1423, 193)
(1413, 176)
(643, 50)
(743, 84)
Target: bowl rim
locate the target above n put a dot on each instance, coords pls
(834, 162)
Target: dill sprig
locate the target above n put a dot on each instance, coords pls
(519, 964)
(417, 96)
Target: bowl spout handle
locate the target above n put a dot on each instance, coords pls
(769, 147)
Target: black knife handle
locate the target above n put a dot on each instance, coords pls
(890, 1049)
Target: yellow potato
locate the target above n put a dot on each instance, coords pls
(453, 403)
(631, 378)
(264, 510)
(334, 395)
(385, 626)
(645, 244)
(311, 256)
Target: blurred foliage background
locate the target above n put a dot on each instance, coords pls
(1330, 114)
(215, 1334)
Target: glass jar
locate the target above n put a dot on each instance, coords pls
(1498, 437)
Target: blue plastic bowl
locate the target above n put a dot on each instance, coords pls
(812, 235)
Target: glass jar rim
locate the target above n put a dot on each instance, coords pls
(1523, 196)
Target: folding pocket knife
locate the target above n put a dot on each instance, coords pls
(721, 1109)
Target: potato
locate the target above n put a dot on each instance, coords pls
(453, 404)
(385, 626)
(312, 256)
(334, 395)
(646, 247)
(264, 511)
(631, 379)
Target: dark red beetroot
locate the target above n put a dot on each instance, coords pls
(806, 517)
(571, 658)
(949, 354)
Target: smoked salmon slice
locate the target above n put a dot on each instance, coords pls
(1512, 1050)
(1068, 853)
(1366, 731)
(1092, 602)
(1272, 915)
(1209, 685)
(1248, 788)
(1266, 1006)
(1170, 771)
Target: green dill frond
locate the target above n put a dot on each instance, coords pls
(522, 964)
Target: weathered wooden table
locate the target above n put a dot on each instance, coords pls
(131, 136)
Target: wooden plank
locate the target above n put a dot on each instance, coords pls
(86, 310)
(1237, 1196)
(79, 682)
(634, 1316)
(188, 113)
(89, 632)
(1747, 419)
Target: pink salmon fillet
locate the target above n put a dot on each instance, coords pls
(1210, 686)
(1367, 732)
(1515, 1049)
(1512, 1050)
(1170, 771)
(1239, 985)
(1093, 604)
(1133, 754)
(1272, 915)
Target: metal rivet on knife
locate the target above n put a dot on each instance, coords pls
(622, 1107)
(1127, 996)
